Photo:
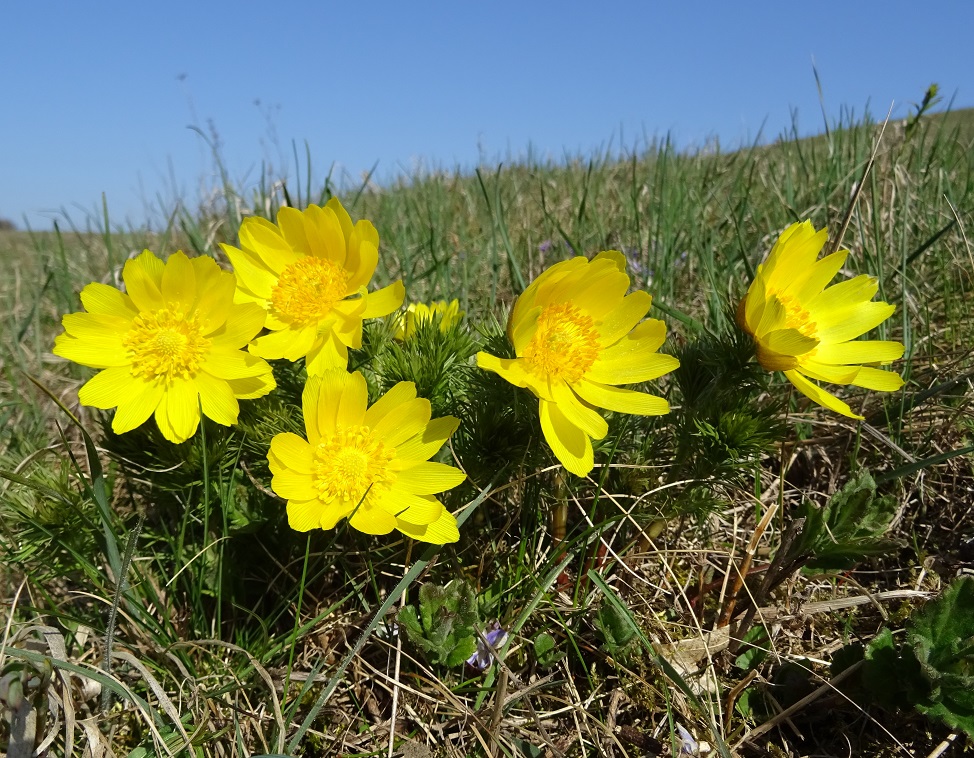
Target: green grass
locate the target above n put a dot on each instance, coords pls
(212, 611)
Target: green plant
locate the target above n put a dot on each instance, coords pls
(932, 668)
(445, 623)
(850, 527)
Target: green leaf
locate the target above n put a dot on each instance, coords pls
(849, 528)
(444, 626)
(940, 639)
(545, 651)
(755, 644)
(885, 675)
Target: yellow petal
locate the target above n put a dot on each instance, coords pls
(143, 281)
(178, 415)
(310, 397)
(353, 402)
(343, 218)
(323, 405)
(571, 446)
(601, 293)
(214, 302)
(403, 422)
(621, 400)
(423, 446)
(104, 300)
(773, 317)
(511, 369)
(522, 332)
(622, 319)
(401, 393)
(788, 342)
(325, 234)
(753, 304)
(794, 256)
(414, 509)
(825, 372)
(335, 511)
(372, 521)
(136, 408)
(576, 412)
(860, 351)
(293, 452)
(616, 258)
(234, 364)
(251, 387)
(819, 275)
(817, 395)
(253, 277)
(859, 289)
(877, 379)
(243, 322)
(110, 388)
(291, 223)
(640, 368)
(363, 255)
(848, 323)
(97, 329)
(263, 239)
(179, 282)
(646, 337)
(89, 353)
(291, 343)
(384, 301)
(429, 479)
(440, 532)
(294, 485)
(304, 515)
(773, 361)
(216, 399)
(328, 354)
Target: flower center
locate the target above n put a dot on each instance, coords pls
(166, 345)
(797, 316)
(307, 290)
(349, 462)
(565, 345)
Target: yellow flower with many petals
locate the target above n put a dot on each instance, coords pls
(310, 272)
(170, 345)
(577, 335)
(419, 313)
(370, 464)
(809, 331)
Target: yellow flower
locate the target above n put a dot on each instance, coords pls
(418, 313)
(370, 464)
(806, 330)
(171, 344)
(310, 272)
(576, 334)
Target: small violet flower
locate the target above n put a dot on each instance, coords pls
(495, 637)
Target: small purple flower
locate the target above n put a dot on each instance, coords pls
(495, 638)
(545, 246)
(633, 256)
(688, 745)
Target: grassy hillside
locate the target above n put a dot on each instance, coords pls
(663, 593)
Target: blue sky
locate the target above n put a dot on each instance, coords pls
(98, 96)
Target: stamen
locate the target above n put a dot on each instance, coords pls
(166, 345)
(307, 290)
(350, 463)
(797, 316)
(565, 345)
